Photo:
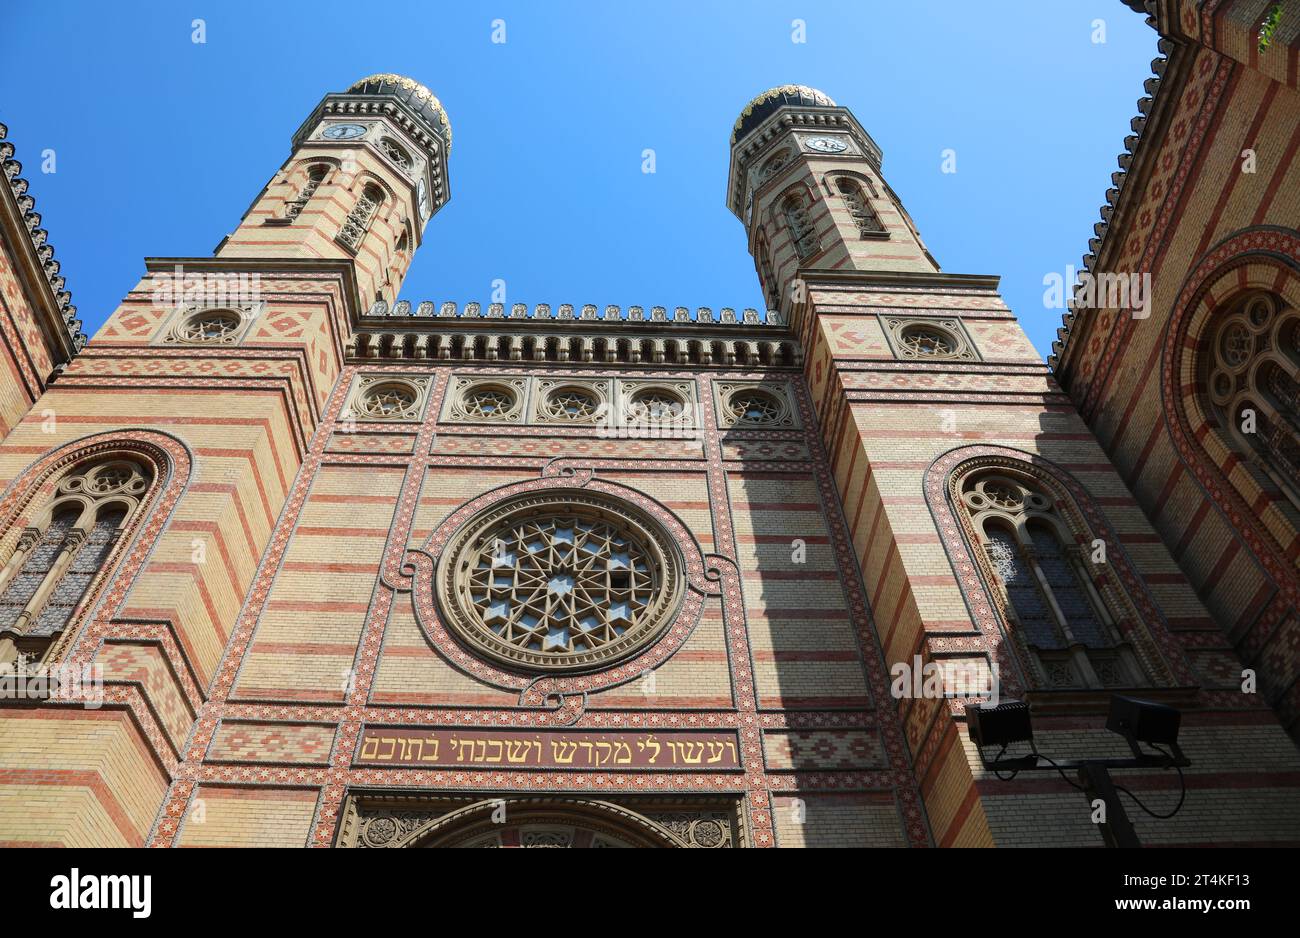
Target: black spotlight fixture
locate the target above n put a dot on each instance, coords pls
(1143, 721)
(1002, 725)
(1140, 722)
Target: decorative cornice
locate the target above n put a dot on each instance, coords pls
(68, 328)
(524, 342)
(566, 312)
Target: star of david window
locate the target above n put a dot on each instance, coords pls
(211, 326)
(489, 403)
(928, 343)
(395, 153)
(656, 406)
(564, 581)
(571, 404)
(391, 401)
(755, 407)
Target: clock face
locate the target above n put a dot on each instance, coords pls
(826, 144)
(342, 131)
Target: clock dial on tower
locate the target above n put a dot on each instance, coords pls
(343, 131)
(826, 144)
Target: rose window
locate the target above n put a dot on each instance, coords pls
(114, 478)
(755, 407)
(489, 403)
(928, 343)
(559, 582)
(656, 406)
(210, 326)
(387, 401)
(572, 404)
(1237, 345)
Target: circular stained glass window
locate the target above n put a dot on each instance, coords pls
(387, 401)
(489, 403)
(571, 403)
(213, 325)
(928, 343)
(754, 406)
(566, 580)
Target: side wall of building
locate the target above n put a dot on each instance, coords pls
(1209, 209)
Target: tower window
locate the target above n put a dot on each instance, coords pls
(315, 176)
(859, 207)
(798, 219)
(358, 221)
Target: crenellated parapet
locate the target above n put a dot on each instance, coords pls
(632, 336)
(566, 312)
(759, 349)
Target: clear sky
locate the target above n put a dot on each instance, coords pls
(160, 143)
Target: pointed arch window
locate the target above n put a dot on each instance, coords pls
(1250, 369)
(859, 207)
(1055, 611)
(315, 176)
(358, 221)
(797, 210)
(53, 564)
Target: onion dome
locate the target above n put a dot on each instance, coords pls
(417, 98)
(767, 103)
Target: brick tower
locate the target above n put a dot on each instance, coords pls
(989, 527)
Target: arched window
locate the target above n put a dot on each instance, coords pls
(855, 200)
(1250, 369)
(1049, 600)
(358, 221)
(315, 176)
(54, 563)
(771, 292)
(798, 220)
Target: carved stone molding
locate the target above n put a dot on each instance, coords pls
(405, 819)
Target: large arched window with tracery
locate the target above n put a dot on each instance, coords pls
(1041, 575)
(54, 561)
(1250, 370)
(797, 211)
(358, 221)
(311, 182)
(858, 206)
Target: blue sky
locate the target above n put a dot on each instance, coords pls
(161, 143)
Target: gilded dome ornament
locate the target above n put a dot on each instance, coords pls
(417, 95)
(782, 94)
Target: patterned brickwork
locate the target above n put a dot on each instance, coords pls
(815, 750)
(1207, 232)
(75, 778)
(260, 742)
